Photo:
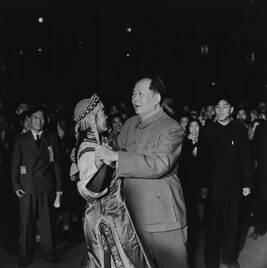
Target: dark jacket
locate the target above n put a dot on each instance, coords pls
(224, 157)
(36, 171)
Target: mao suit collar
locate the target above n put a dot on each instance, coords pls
(151, 119)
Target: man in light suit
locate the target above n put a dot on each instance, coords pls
(37, 180)
(149, 145)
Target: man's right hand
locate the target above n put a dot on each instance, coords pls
(20, 193)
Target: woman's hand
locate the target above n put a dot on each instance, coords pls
(104, 153)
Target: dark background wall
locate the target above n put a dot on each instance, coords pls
(81, 47)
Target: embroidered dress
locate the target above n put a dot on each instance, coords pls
(111, 238)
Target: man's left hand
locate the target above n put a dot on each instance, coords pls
(246, 191)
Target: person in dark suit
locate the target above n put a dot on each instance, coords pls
(226, 170)
(36, 175)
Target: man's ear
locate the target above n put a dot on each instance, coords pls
(157, 98)
(232, 109)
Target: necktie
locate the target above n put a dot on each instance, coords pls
(38, 140)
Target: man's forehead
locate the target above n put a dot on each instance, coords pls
(23, 105)
(143, 84)
(224, 102)
(38, 113)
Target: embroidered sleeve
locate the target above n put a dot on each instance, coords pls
(87, 166)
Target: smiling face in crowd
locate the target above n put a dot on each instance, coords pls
(37, 121)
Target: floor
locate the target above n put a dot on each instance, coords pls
(253, 254)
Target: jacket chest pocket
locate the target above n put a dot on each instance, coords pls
(145, 148)
(140, 147)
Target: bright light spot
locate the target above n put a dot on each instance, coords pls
(41, 20)
(80, 42)
(21, 52)
(39, 49)
(128, 55)
(129, 29)
(213, 83)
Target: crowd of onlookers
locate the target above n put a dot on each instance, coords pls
(60, 121)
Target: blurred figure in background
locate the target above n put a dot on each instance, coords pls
(15, 118)
(168, 106)
(115, 122)
(188, 174)
(25, 122)
(253, 115)
(68, 202)
(209, 114)
(260, 192)
(9, 223)
(113, 109)
(184, 119)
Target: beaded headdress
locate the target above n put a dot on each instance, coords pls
(84, 115)
(84, 107)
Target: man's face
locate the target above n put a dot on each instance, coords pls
(241, 116)
(143, 99)
(37, 121)
(223, 110)
(101, 120)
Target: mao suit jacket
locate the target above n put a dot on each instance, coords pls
(36, 171)
(224, 160)
(148, 153)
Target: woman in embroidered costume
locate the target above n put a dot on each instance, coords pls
(111, 239)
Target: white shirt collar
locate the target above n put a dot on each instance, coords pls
(35, 134)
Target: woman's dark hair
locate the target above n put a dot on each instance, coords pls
(62, 120)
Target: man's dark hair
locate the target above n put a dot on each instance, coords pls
(23, 115)
(157, 86)
(35, 109)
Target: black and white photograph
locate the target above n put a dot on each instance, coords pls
(133, 133)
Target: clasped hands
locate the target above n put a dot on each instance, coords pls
(105, 154)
